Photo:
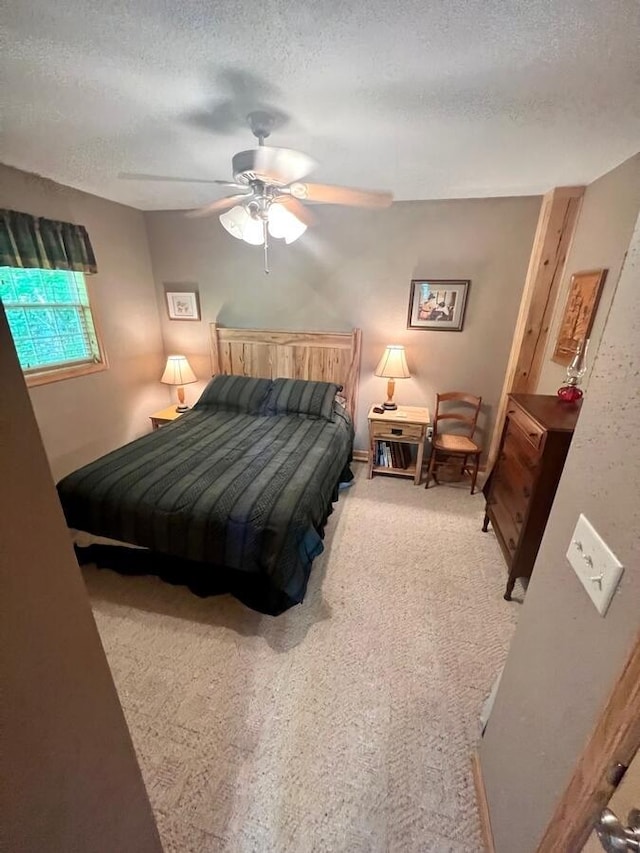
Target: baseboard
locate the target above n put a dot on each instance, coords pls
(483, 805)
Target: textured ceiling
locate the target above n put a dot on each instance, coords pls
(428, 98)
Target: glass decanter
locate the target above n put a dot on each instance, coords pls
(570, 392)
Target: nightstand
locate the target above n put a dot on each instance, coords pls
(164, 416)
(406, 426)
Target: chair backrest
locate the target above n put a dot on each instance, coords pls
(469, 420)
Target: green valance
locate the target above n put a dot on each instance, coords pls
(32, 241)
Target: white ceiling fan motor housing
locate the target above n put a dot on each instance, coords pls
(278, 166)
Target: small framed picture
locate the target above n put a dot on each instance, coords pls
(183, 306)
(437, 304)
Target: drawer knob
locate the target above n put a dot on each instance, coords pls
(533, 435)
(519, 518)
(512, 545)
(396, 431)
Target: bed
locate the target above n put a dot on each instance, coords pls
(233, 496)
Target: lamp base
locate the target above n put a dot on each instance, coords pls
(390, 406)
(182, 406)
(570, 393)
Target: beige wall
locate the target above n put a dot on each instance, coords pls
(565, 656)
(82, 418)
(70, 780)
(609, 211)
(354, 269)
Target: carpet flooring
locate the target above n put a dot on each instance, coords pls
(344, 725)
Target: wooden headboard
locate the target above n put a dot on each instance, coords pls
(325, 356)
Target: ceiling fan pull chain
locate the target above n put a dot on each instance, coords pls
(266, 246)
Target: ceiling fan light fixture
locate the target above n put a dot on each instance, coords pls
(283, 224)
(292, 236)
(234, 220)
(272, 184)
(253, 231)
(242, 225)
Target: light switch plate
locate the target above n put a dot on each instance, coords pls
(597, 567)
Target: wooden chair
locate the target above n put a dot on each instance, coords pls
(455, 444)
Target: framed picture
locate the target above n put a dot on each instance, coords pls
(437, 304)
(579, 312)
(183, 306)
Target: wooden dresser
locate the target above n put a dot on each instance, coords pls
(536, 437)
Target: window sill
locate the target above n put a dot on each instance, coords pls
(46, 376)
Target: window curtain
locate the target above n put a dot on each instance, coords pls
(31, 241)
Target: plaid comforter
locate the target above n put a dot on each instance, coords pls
(244, 492)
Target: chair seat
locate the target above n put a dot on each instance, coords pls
(450, 443)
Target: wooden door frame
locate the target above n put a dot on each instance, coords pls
(614, 739)
(557, 222)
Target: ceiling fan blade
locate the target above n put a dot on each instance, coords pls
(136, 176)
(297, 208)
(282, 165)
(219, 205)
(326, 194)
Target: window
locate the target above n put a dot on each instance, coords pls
(51, 322)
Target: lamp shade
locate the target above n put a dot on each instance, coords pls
(393, 364)
(234, 220)
(283, 224)
(241, 224)
(178, 371)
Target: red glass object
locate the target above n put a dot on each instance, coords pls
(570, 393)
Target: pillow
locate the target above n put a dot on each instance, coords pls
(235, 394)
(303, 397)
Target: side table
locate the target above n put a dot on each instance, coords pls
(404, 425)
(164, 416)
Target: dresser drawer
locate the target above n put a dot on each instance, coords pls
(516, 505)
(522, 424)
(395, 430)
(504, 525)
(518, 447)
(516, 481)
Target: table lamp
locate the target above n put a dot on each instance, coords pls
(392, 366)
(178, 372)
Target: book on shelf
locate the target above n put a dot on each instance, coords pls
(393, 454)
(402, 458)
(405, 455)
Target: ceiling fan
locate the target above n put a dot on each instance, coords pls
(269, 196)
